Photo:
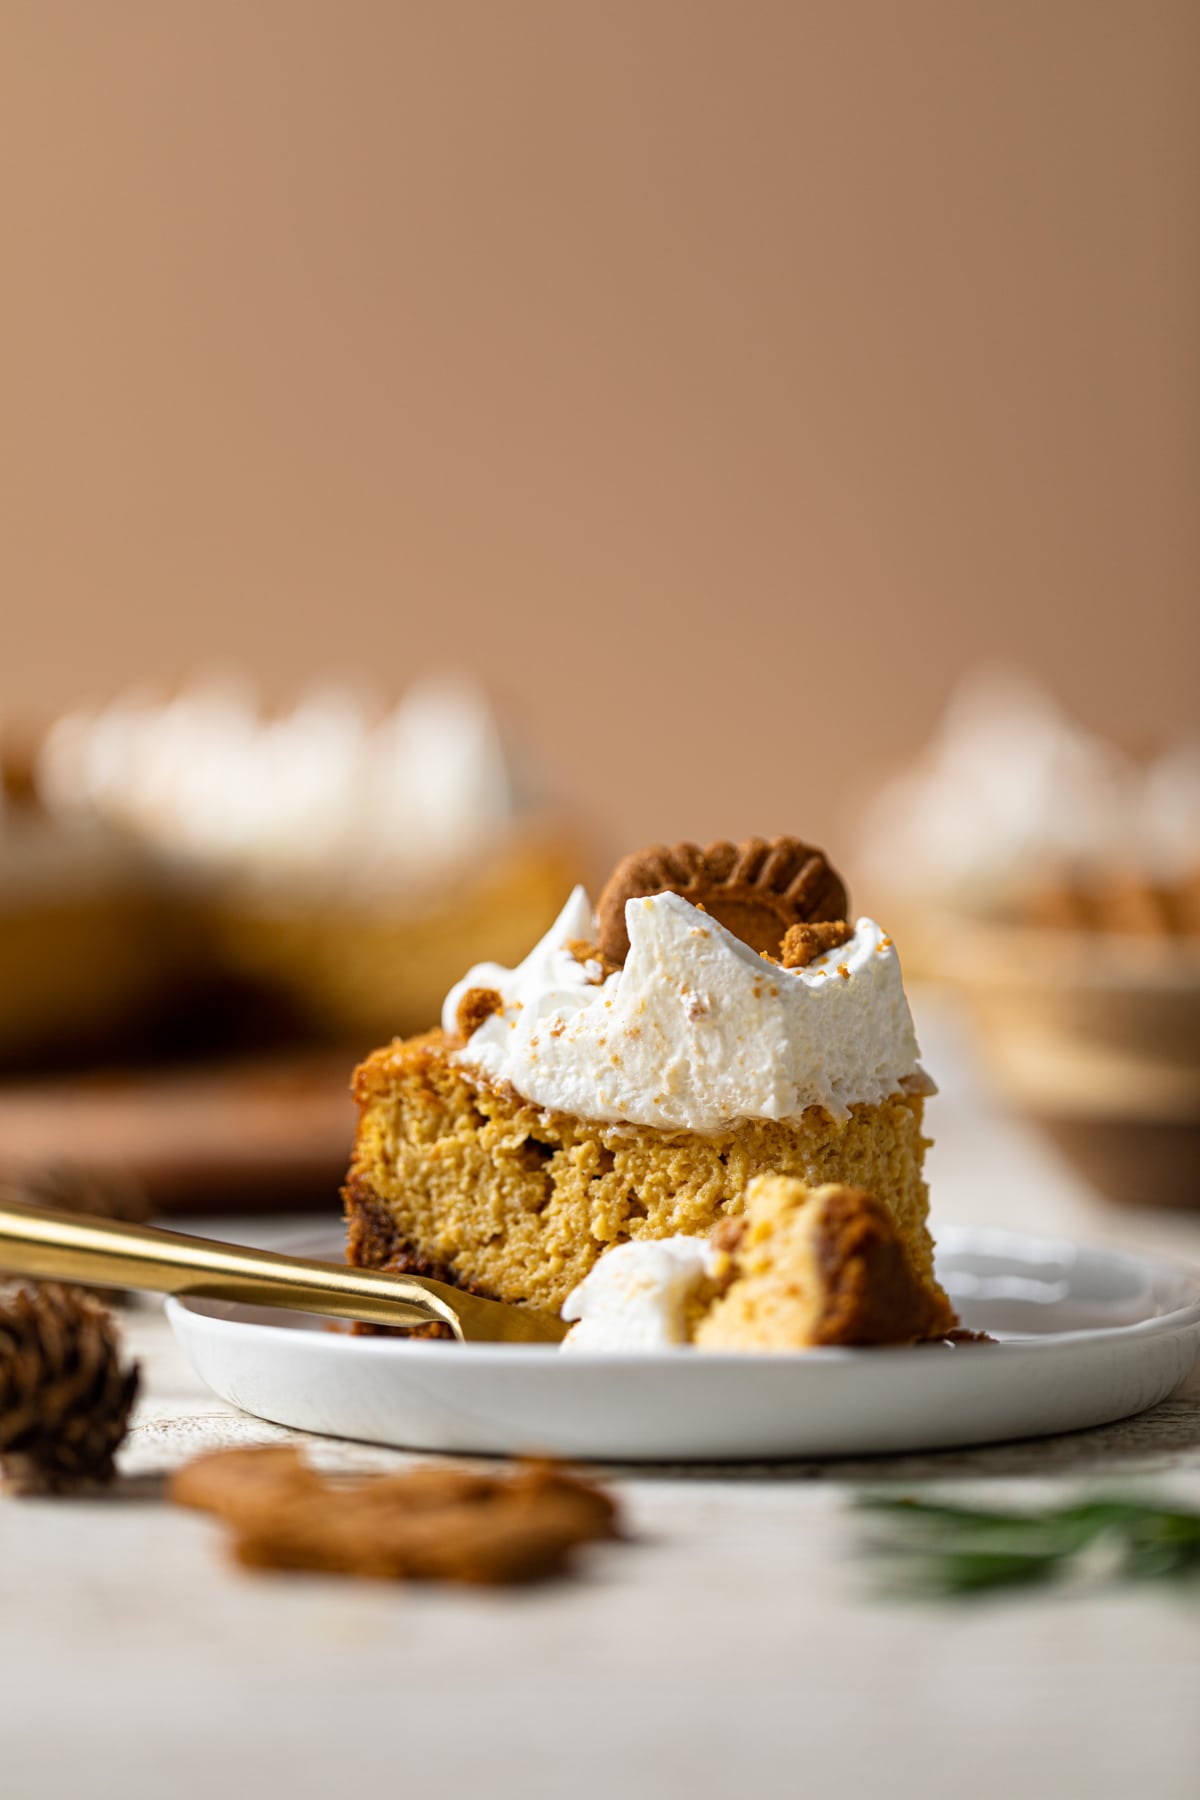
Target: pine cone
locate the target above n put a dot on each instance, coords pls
(64, 1397)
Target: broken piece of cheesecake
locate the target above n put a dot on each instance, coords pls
(800, 1268)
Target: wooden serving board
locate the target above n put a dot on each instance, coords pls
(245, 1136)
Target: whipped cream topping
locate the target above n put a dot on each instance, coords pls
(636, 1297)
(696, 1031)
(207, 779)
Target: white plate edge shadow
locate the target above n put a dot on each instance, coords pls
(681, 1405)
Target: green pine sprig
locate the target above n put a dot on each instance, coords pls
(925, 1549)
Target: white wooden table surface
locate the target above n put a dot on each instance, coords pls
(734, 1648)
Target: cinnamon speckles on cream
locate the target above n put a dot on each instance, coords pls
(710, 1033)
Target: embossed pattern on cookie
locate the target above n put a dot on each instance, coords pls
(756, 889)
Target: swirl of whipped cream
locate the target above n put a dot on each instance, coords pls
(696, 1031)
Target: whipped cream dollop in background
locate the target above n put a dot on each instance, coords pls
(1011, 791)
(697, 1030)
(210, 779)
(636, 1297)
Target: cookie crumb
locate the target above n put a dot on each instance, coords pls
(803, 943)
(477, 1005)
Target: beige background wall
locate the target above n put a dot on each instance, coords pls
(715, 379)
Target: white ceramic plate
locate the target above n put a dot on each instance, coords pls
(1087, 1336)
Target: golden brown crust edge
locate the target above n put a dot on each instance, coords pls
(871, 1294)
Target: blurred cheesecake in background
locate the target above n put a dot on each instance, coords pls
(85, 941)
(1053, 881)
(334, 860)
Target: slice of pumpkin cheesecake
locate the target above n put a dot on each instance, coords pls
(716, 1018)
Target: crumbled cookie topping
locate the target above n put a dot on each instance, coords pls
(1117, 901)
(596, 965)
(804, 943)
(476, 1005)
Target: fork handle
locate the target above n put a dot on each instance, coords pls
(63, 1246)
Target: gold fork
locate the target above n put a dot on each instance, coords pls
(63, 1246)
